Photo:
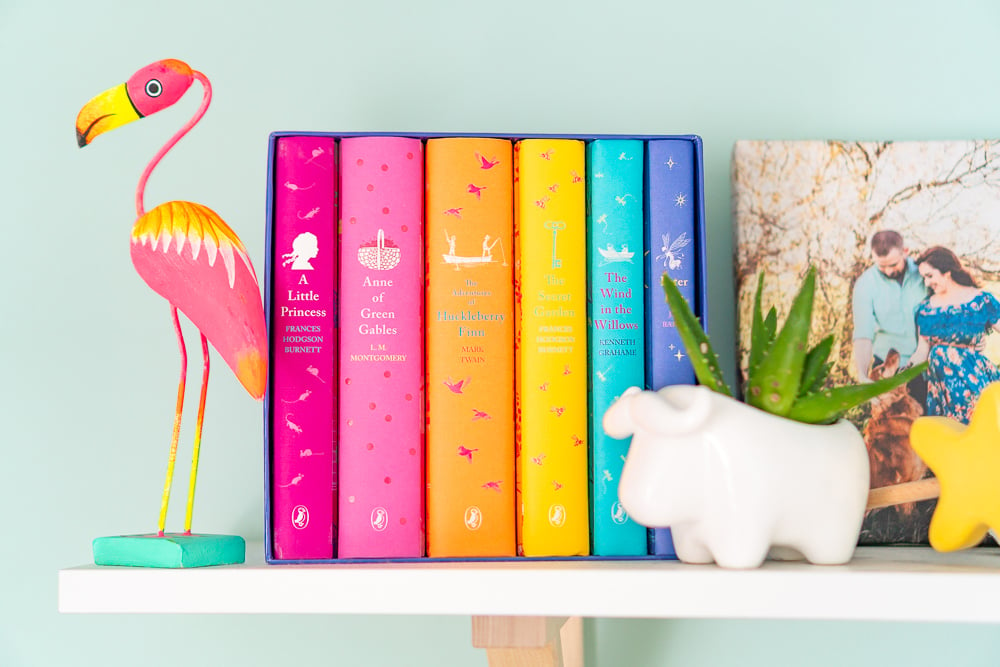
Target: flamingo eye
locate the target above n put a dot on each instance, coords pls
(154, 88)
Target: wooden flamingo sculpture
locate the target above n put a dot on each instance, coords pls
(187, 254)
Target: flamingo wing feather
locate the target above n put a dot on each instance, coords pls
(188, 255)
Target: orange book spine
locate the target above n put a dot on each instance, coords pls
(469, 342)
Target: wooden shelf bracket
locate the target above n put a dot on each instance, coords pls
(529, 641)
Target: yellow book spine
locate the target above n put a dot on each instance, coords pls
(551, 349)
(469, 342)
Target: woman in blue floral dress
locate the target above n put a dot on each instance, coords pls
(953, 322)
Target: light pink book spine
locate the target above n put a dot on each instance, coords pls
(304, 343)
(382, 349)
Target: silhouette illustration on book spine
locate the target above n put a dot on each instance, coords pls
(187, 254)
(304, 248)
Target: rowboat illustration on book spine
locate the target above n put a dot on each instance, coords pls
(611, 255)
(489, 243)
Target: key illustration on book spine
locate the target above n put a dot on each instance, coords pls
(555, 226)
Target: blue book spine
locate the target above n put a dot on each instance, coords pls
(670, 249)
(616, 335)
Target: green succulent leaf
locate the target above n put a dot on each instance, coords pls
(770, 329)
(759, 338)
(827, 405)
(819, 381)
(774, 385)
(815, 369)
(771, 325)
(703, 357)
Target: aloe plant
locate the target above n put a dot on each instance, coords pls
(785, 376)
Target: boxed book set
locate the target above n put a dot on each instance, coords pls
(450, 316)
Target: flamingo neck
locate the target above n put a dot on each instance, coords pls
(205, 101)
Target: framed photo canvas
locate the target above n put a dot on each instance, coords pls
(905, 237)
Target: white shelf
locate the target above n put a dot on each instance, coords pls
(881, 583)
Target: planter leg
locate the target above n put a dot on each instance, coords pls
(529, 641)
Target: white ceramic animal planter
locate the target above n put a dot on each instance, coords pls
(732, 481)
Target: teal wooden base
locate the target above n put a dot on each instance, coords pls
(172, 550)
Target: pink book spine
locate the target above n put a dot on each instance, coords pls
(304, 343)
(382, 350)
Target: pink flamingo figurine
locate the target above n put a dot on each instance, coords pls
(186, 253)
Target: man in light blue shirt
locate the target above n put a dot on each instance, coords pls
(885, 300)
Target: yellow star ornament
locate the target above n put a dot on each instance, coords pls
(966, 461)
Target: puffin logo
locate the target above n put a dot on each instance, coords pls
(473, 517)
(380, 519)
(300, 516)
(557, 515)
(618, 513)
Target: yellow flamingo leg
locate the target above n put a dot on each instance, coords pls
(197, 437)
(177, 424)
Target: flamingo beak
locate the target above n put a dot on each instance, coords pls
(105, 112)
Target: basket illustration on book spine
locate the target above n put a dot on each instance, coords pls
(378, 256)
(904, 236)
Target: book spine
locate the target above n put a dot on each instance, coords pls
(551, 348)
(381, 355)
(303, 334)
(616, 335)
(670, 249)
(470, 347)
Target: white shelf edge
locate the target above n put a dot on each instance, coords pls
(911, 584)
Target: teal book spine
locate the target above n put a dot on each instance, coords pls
(616, 340)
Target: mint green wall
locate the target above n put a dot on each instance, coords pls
(89, 358)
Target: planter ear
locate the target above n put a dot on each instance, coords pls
(672, 410)
(617, 421)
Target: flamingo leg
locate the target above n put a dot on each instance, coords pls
(197, 436)
(177, 423)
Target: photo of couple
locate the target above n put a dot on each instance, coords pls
(928, 308)
(905, 238)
